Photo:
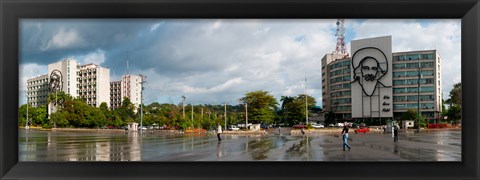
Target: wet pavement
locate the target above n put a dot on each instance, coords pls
(39, 145)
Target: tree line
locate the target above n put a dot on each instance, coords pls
(76, 113)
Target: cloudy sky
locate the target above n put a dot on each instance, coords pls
(213, 61)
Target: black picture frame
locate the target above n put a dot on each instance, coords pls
(13, 10)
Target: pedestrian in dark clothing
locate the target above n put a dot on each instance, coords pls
(345, 137)
(395, 133)
(303, 132)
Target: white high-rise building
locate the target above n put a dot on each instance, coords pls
(115, 94)
(66, 70)
(93, 84)
(37, 91)
(131, 87)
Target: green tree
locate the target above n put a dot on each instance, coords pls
(261, 106)
(454, 112)
(285, 111)
(412, 114)
(456, 94)
(293, 108)
(126, 110)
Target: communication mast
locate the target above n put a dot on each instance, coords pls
(341, 48)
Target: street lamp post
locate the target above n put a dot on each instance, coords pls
(183, 104)
(246, 115)
(141, 100)
(193, 126)
(418, 98)
(306, 102)
(26, 122)
(56, 106)
(225, 126)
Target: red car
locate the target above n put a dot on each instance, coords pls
(362, 130)
(299, 126)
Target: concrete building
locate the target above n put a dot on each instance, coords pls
(336, 88)
(131, 88)
(405, 78)
(93, 84)
(37, 91)
(115, 94)
(372, 79)
(375, 85)
(66, 70)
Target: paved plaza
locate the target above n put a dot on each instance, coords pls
(429, 145)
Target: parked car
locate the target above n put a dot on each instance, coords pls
(363, 129)
(317, 126)
(232, 128)
(353, 125)
(265, 126)
(300, 126)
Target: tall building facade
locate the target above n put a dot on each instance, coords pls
(336, 87)
(93, 84)
(376, 84)
(37, 91)
(115, 94)
(131, 88)
(326, 76)
(66, 71)
(406, 69)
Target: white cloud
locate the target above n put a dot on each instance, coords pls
(28, 71)
(95, 57)
(64, 39)
(212, 61)
(261, 31)
(155, 26)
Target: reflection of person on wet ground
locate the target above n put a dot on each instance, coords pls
(279, 128)
(395, 133)
(219, 131)
(345, 137)
(219, 150)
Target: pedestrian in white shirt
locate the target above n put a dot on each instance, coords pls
(219, 131)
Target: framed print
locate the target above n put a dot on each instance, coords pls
(239, 90)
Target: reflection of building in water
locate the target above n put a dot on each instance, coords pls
(134, 152)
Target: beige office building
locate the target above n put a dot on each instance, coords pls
(131, 88)
(37, 91)
(67, 70)
(115, 94)
(93, 84)
(405, 78)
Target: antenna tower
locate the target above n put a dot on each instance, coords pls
(341, 48)
(126, 58)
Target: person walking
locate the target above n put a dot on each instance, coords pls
(219, 131)
(395, 133)
(345, 137)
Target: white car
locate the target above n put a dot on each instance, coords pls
(233, 128)
(317, 126)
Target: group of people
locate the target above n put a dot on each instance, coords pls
(345, 130)
(347, 126)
